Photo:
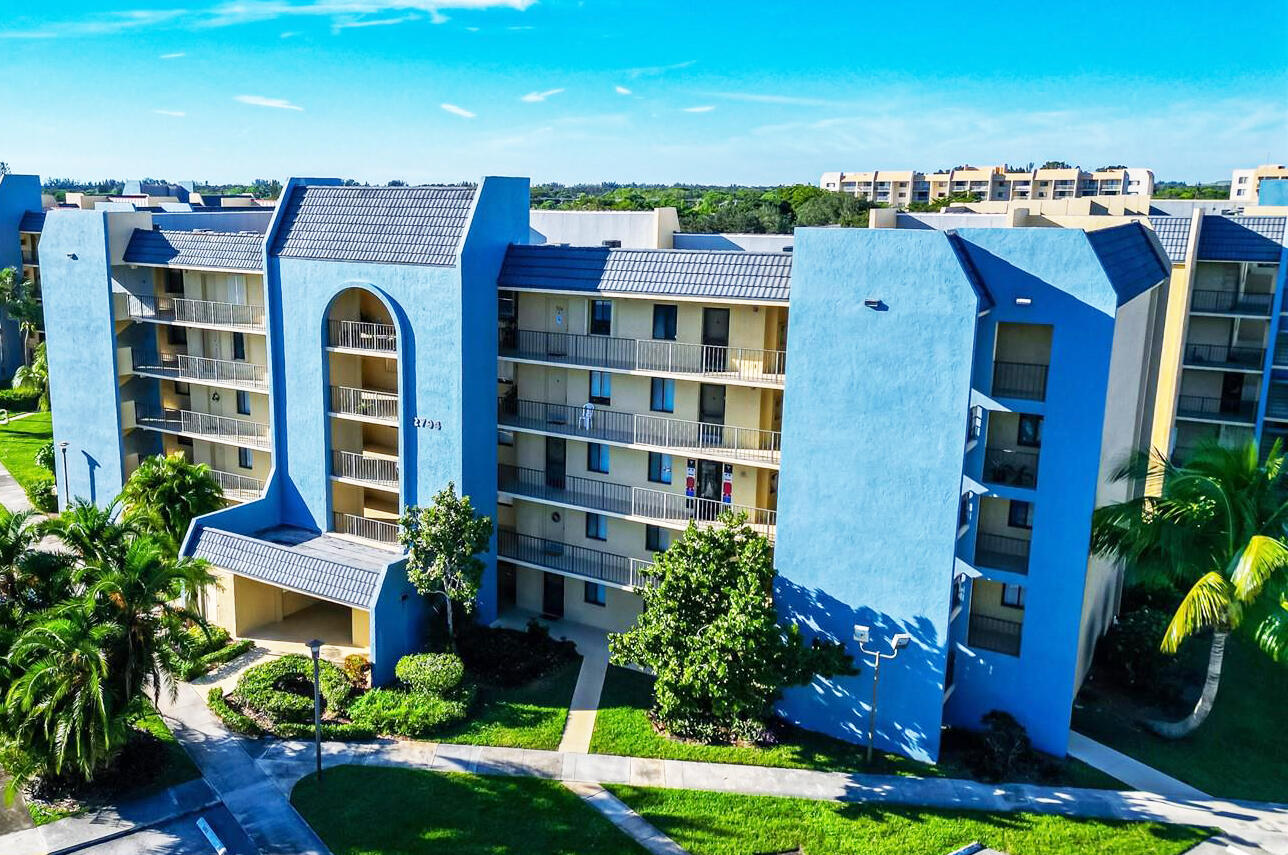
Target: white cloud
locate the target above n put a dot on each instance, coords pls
(359, 23)
(261, 101)
(621, 90)
(172, 55)
(654, 70)
(767, 98)
(535, 97)
(178, 114)
(706, 108)
(457, 111)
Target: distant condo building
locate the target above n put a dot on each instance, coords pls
(1248, 185)
(990, 183)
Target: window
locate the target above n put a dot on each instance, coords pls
(177, 335)
(597, 526)
(659, 468)
(1030, 432)
(504, 437)
(656, 538)
(243, 402)
(963, 511)
(959, 590)
(1020, 515)
(601, 387)
(974, 423)
(664, 322)
(597, 457)
(174, 281)
(595, 594)
(1013, 596)
(182, 389)
(239, 346)
(601, 317)
(662, 396)
(245, 458)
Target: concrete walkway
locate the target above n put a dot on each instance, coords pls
(1130, 771)
(627, 821)
(585, 697)
(12, 496)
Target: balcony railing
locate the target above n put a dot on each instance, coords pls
(1276, 404)
(564, 557)
(1223, 356)
(599, 424)
(1281, 349)
(648, 355)
(1020, 380)
(182, 310)
(1010, 466)
(202, 369)
(366, 528)
(204, 426)
(359, 467)
(363, 335)
(1231, 302)
(239, 488)
(1001, 552)
(367, 403)
(996, 634)
(622, 499)
(1219, 409)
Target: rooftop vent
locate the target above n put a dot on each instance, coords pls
(611, 244)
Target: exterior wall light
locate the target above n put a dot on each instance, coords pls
(1023, 301)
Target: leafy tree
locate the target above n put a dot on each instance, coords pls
(443, 543)
(1055, 164)
(35, 376)
(710, 632)
(165, 493)
(936, 205)
(21, 302)
(1217, 531)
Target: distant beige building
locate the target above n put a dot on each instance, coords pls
(1245, 184)
(991, 183)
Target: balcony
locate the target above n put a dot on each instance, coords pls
(375, 471)
(363, 335)
(673, 435)
(1001, 552)
(380, 531)
(617, 570)
(30, 257)
(996, 634)
(1223, 356)
(203, 313)
(201, 369)
(1216, 409)
(1025, 380)
(1276, 404)
(364, 404)
(665, 507)
(1231, 303)
(1011, 467)
(727, 364)
(204, 426)
(238, 488)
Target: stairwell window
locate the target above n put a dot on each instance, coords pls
(601, 388)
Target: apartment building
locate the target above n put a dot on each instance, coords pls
(1246, 185)
(20, 223)
(990, 183)
(924, 454)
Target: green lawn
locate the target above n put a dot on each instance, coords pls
(19, 442)
(365, 810)
(622, 726)
(1237, 753)
(729, 824)
(530, 716)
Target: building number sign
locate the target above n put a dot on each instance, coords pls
(427, 424)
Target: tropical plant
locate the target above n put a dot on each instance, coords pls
(710, 632)
(19, 534)
(20, 301)
(1216, 530)
(164, 494)
(94, 534)
(34, 376)
(443, 543)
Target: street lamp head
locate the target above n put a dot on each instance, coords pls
(63, 445)
(862, 634)
(315, 646)
(900, 641)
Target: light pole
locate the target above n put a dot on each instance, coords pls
(315, 646)
(863, 635)
(67, 487)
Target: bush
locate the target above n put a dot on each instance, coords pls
(1129, 654)
(191, 669)
(331, 730)
(282, 690)
(233, 719)
(412, 714)
(356, 668)
(431, 673)
(509, 657)
(20, 400)
(1002, 751)
(45, 457)
(41, 493)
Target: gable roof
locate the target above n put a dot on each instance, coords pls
(1241, 238)
(239, 251)
(1174, 234)
(1132, 258)
(716, 274)
(32, 221)
(382, 225)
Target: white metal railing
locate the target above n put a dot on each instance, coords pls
(202, 369)
(742, 363)
(204, 426)
(375, 470)
(240, 488)
(676, 507)
(363, 335)
(684, 435)
(186, 311)
(364, 402)
(364, 527)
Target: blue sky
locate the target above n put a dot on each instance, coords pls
(707, 91)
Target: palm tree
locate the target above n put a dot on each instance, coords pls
(1218, 529)
(94, 534)
(19, 534)
(165, 493)
(35, 376)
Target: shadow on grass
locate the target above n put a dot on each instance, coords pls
(530, 716)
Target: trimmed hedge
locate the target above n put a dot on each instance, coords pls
(20, 400)
(192, 669)
(331, 731)
(263, 689)
(431, 673)
(413, 714)
(233, 719)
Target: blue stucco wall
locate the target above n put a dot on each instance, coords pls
(874, 423)
(18, 194)
(1272, 191)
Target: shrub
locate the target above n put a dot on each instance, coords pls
(356, 668)
(45, 457)
(233, 719)
(191, 669)
(1129, 654)
(196, 641)
(282, 690)
(509, 657)
(20, 400)
(331, 730)
(412, 714)
(41, 492)
(431, 673)
(1002, 751)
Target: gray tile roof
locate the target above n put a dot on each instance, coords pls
(1174, 234)
(718, 274)
(1241, 238)
(309, 562)
(382, 225)
(242, 251)
(1130, 258)
(32, 221)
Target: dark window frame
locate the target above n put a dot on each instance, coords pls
(601, 324)
(666, 317)
(597, 455)
(664, 472)
(596, 526)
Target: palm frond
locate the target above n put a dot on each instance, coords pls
(1209, 604)
(1256, 564)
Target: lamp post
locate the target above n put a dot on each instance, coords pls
(315, 647)
(67, 487)
(863, 635)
